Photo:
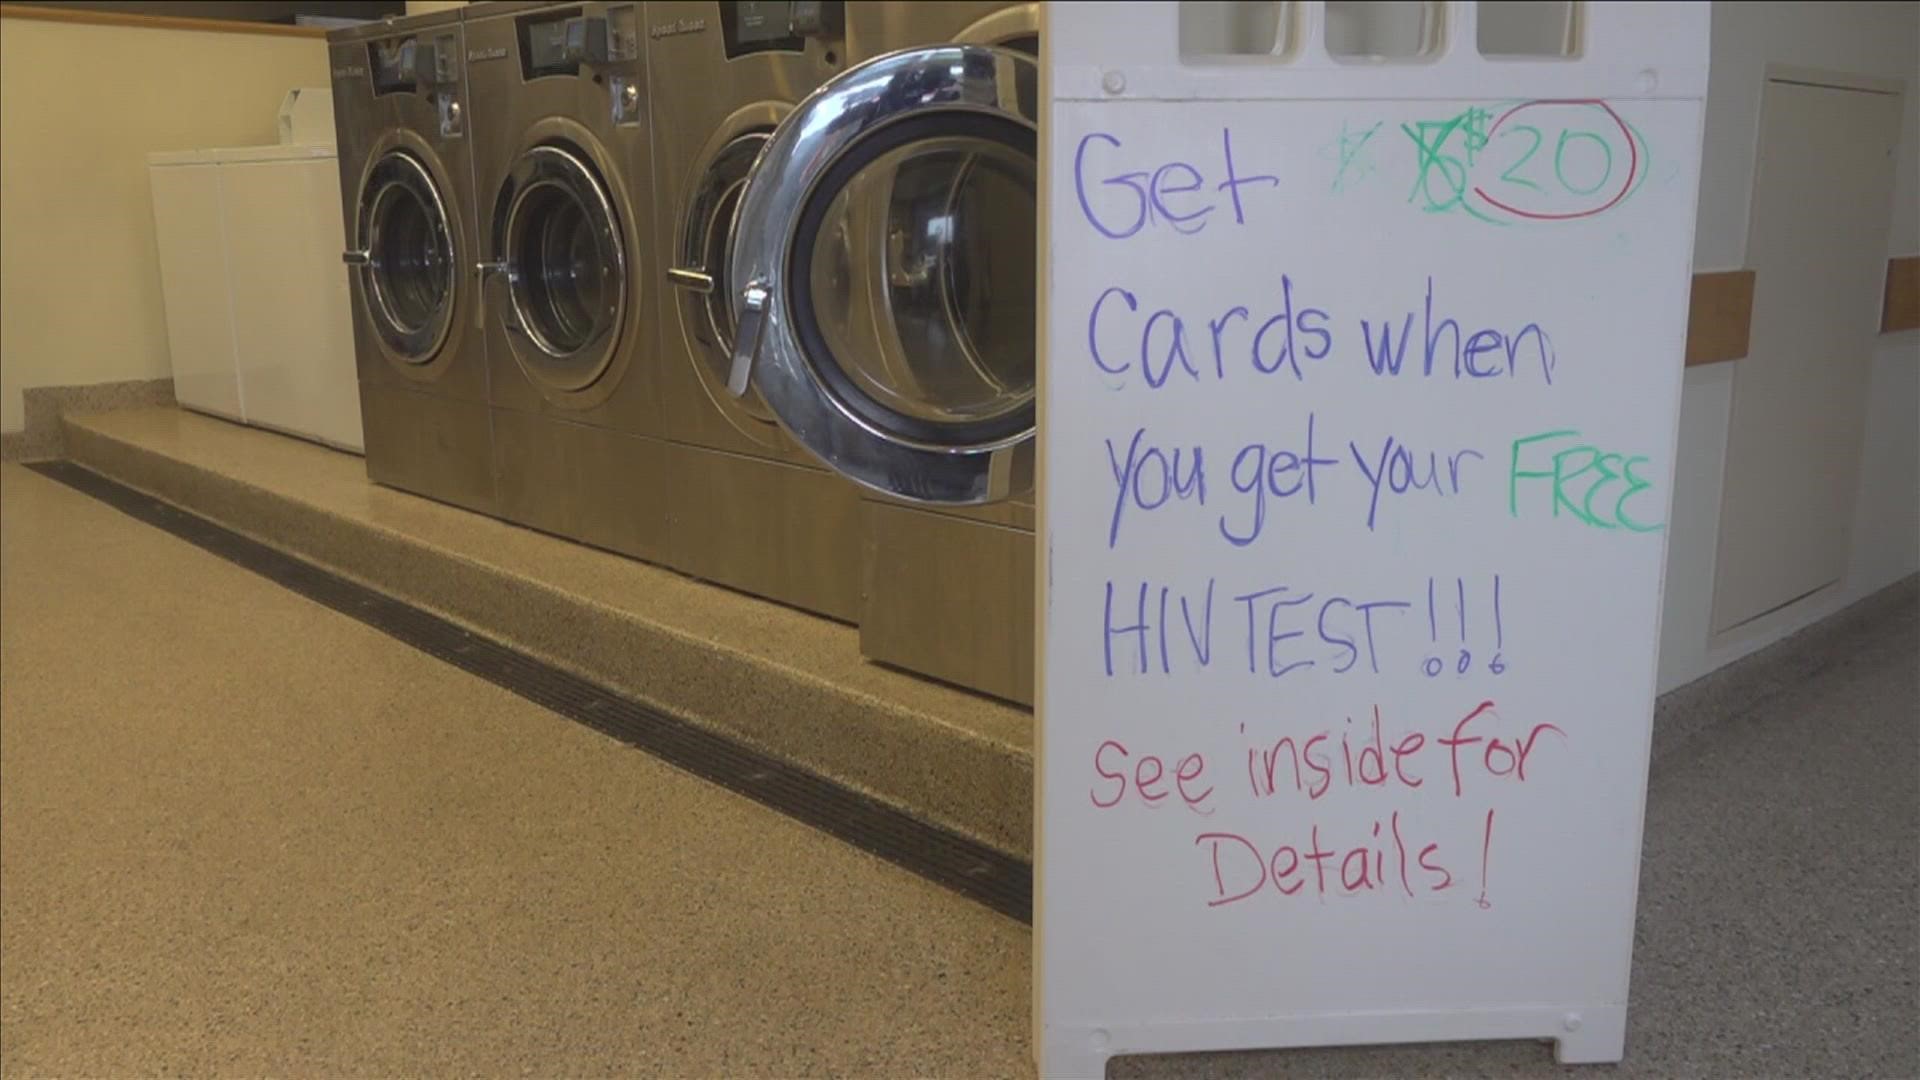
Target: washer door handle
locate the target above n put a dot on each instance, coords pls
(746, 346)
(481, 272)
(357, 258)
(690, 279)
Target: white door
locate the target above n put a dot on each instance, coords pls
(1822, 196)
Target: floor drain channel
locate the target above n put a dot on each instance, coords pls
(948, 859)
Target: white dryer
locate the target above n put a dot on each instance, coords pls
(190, 235)
(292, 316)
(259, 326)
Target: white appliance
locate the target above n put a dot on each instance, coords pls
(190, 231)
(306, 116)
(258, 318)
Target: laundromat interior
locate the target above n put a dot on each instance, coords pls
(524, 538)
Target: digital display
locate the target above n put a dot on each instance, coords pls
(391, 65)
(547, 47)
(543, 44)
(759, 23)
(759, 27)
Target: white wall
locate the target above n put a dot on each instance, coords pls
(80, 107)
(1880, 39)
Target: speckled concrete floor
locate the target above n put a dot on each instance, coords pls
(242, 834)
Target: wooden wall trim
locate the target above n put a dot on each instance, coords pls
(1719, 316)
(1900, 309)
(157, 22)
(1720, 310)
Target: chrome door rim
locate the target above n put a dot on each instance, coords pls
(983, 88)
(551, 170)
(986, 433)
(708, 193)
(392, 173)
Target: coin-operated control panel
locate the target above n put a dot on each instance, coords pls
(428, 65)
(605, 43)
(779, 26)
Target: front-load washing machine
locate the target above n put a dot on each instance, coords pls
(567, 269)
(399, 93)
(884, 277)
(750, 509)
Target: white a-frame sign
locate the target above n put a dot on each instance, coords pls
(1360, 389)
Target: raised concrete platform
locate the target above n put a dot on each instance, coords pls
(792, 684)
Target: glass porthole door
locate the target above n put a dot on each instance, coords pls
(882, 274)
(560, 250)
(404, 254)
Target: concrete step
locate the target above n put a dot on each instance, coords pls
(789, 683)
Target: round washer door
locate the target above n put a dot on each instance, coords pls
(566, 267)
(405, 257)
(700, 275)
(883, 274)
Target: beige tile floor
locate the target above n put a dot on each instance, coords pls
(242, 834)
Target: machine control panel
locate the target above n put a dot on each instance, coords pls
(393, 65)
(758, 23)
(562, 43)
(779, 25)
(812, 18)
(584, 40)
(625, 40)
(624, 44)
(408, 64)
(544, 46)
(446, 59)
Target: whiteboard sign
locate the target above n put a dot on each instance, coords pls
(1360, 399)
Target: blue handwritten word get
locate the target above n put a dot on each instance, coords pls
(1161, 194)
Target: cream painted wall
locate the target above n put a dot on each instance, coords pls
(1881, 39)
(421, 7)
(80, 108)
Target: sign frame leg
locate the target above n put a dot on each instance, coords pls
(1594, 1037)
(1070, 1054)
(1589, 1035)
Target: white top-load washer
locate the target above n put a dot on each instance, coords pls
(258, 318)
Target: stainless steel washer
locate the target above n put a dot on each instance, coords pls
(567, 268)
(749, 508)
(883, 277)
(406, 182)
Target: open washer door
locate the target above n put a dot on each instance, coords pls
(883, 274)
